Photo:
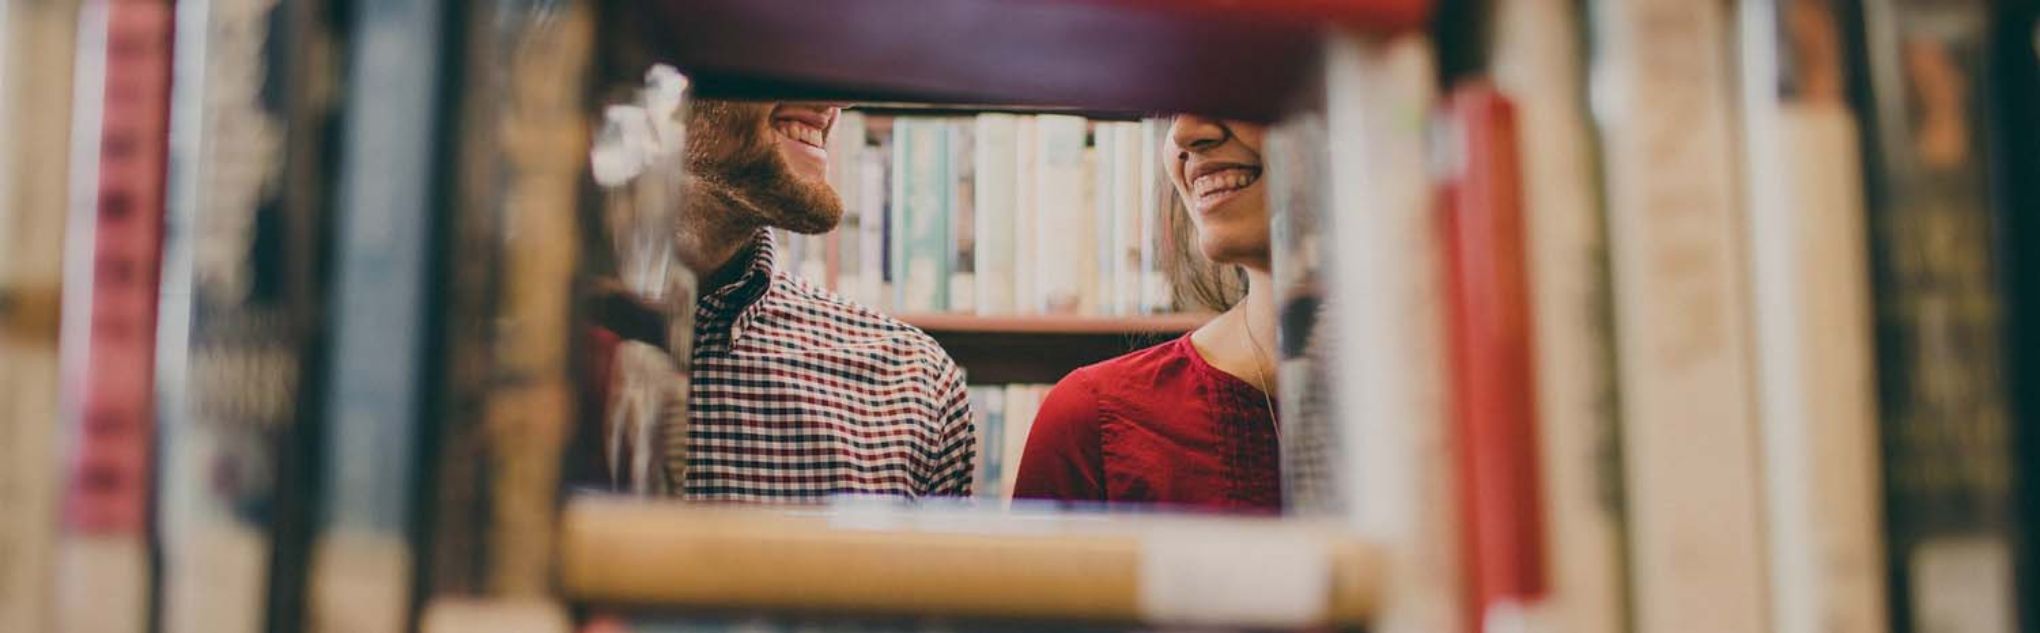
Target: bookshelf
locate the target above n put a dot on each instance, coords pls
(1041, 349)
(960, 562)
(1242, 60)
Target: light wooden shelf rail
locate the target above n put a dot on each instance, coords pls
(966, 563)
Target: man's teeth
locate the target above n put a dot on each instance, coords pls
(1224, 181)
(801, 132)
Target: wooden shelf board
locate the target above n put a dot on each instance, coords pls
(919, 561)
(1047, 324)
(1220, 57)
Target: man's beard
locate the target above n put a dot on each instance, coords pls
(733, 162)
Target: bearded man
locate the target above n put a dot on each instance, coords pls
(796, 393)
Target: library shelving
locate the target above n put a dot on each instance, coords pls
(1040, 349)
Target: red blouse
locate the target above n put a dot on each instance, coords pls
(1158, 426)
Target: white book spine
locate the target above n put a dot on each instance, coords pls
(1127, 218)
(1063, 246)
(1156, 197)
(1384, 291)
(995, 226)
(1538, 62)
(1809, 268)
(1683, 345)
(846, 172)
(1026, 214)
(1101, 176)
(1022, 402)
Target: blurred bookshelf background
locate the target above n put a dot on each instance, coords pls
(1663, 316)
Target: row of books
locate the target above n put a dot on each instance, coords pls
(1005, 414)
(997, 214)
(241, 386)
(1744, 346)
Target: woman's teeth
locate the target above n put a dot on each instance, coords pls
(1224, 182)
(802, 132)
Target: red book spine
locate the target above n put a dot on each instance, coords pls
(1493, 382)
(109, 481)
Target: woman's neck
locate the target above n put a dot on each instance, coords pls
(1241, 342)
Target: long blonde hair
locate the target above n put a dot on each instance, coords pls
(1195, 281)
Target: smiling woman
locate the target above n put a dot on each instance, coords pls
(1188, 423)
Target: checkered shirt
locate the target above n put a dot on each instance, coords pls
(798, 394)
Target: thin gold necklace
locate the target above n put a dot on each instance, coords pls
(1261, 362)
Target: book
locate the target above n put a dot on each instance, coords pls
(962, 251)
(921, 207)
(1683, 345)
(2015, 90)
(1102, 176)
(1022, 403)
(1389, 456)
(1538, 61)
(1492, 353)
(1156, 197)
(929, 560)
(871, 247)
(1299, 221)
(107, 347)
(1026, 214)
(988, 404)
(1943, 403)
(846, 173)
(388, 188)
(506, 412)
(242, 288)
(997, 194)
(1809, 281)
(37, 46)
(1065, 264)
(1129, 216)
(887, 232)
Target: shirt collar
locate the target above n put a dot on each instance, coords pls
(732, 305)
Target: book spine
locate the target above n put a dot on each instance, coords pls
(1100, 176)
(846, 170)
(1026, 214)
(1689, 434)
(103, 579)
(507, 412)
(1390, 443)
(1298, 198)
(995, 223)
(1809, 280)
(1943, 400)
(923, 238)
(871, 251)
(1539, 64)
(1061, 208)
(240, 287)
(1156, 197)
(846, 173)
(2015, 80)
(37, 47)
(1022, 402)
(1128, 219)
(362, 561)
(1494, 387)
(962, 251)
